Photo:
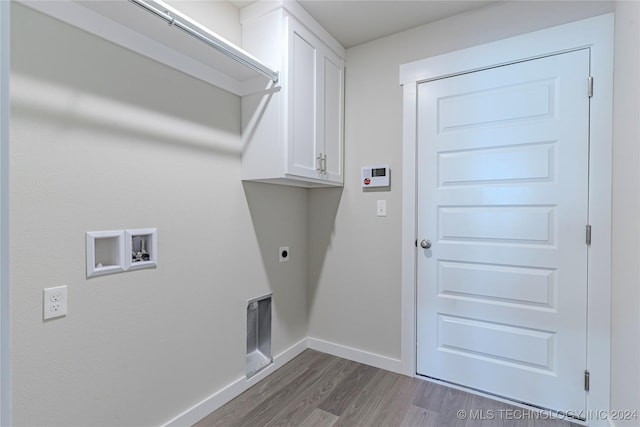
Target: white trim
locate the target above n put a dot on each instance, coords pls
(219, 398)
(600, 205)
(409, 230)
(545, 42)
(5, 368)
(596, 34)
(260, 8)
(94, 266)
(239, 386)
(360, 356)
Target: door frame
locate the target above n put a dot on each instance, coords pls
(5, 371)
(597, 35)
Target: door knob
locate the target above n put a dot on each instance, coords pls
(425, 244)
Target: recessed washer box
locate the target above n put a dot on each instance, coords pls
(105, 252)
(141, 248)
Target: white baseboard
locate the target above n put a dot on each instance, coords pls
(372, 359)
(236, 388)
(216, 400)
(233, 390)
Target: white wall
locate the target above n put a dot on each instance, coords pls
(5, 370)
(354, 289)
(625, 366)
(102, 138)
(221, 17)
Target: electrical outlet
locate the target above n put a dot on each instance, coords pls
(283, 254)
(54, 302)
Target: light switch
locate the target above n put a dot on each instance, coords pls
(381, 208)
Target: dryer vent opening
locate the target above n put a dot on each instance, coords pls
(258, 335)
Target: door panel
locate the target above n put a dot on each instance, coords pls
(502, 195)
(533, 287)
(502, 344)
(523, 162)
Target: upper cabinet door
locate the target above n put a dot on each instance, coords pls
(316, 88)
(332, 120)
(304, 143)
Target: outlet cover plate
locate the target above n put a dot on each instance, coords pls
(54, 302)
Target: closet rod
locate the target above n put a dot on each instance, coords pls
(219, 45)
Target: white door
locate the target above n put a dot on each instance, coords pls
(502, 197)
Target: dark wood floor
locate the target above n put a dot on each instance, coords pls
(316, 389)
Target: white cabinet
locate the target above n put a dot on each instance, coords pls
(293, 134)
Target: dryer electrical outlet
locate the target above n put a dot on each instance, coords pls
(283, 253)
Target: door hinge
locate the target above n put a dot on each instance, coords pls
(590, 86)
(586, 380)
(588, 237)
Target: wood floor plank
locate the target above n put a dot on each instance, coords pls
(239, 415)
(257, 394)
(342, 396)
(396, 402)
(430, 396)
(368, 399)
(318, 418)
(485, 412)
(261, 414)
(453, 402)
(420, 417)
(316, 393)
(320, 390)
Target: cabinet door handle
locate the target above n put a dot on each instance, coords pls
(322, 163)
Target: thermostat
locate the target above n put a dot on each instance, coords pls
(375, 176)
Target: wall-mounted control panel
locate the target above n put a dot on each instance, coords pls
(375, 176)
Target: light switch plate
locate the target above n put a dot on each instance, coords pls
(381, 209)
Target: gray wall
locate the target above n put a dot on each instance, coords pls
(355, 263)
(102, 139)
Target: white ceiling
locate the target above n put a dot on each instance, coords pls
(353, 22)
